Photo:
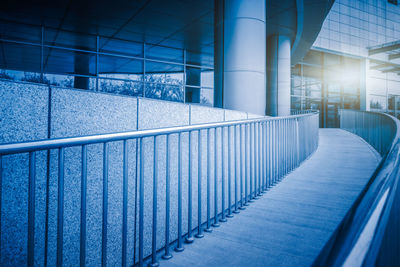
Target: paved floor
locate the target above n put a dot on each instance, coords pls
(290, 224)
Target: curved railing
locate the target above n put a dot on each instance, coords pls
(157, 182)
(369, 235)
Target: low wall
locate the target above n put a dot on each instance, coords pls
(32, 112)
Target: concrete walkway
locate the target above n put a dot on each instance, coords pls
(290, 224)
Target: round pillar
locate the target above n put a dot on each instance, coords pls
(278, 76)
(240, 54)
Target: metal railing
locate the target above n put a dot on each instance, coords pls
(232, 162)
(370, 232)
(303, 111)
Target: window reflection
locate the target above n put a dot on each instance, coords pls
(74, 60)
(326, 82)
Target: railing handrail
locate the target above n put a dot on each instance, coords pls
(243, 159)
(338, 250)
(53, 143)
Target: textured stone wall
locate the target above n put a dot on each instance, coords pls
(23, 117)
(32, 112)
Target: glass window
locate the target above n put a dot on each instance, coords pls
(116, 46)
(157, 67)
(60, 80)
(164, 91)
(20, 57)
(377, 102)
(120, 67)
(164, 53)
(62, 61)
(75, 60)
(207, 97)
(70, 39)
(206, 58)
(207, 79)
(20, 32)
(122, 87)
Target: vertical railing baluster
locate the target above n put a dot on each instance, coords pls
(268, 147)
(31, 208)
(247, 163)
(257, 153)
(256, 162)
(124, 201)
(262, 142)
(271, 151)
(229, 215)
(167, 255)
(60, 207)
(208, 228)
(297, 142)
(294, 142)
(280, 163)
(265, 155)
(223, 219)
(235, 165)
(137, 179)
(154, 228)
(281, 150)
(251, 167)
(278, 146)
(260, 174)
(83, 207)
(216, 221)
(199, 178)
(179, 247)
(189, 237)
(291, 145)
(242, 167)
(284, 130)
(141, 203)
(275, 151)
(287, 146)
(1, 193)
(105, 206)
(260, 153)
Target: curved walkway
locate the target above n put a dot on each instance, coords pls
(290, 224)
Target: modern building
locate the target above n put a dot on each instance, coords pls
(354, 62)
(193, 52)
(163, 60)
(130, 127)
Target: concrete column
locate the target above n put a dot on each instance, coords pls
(278, 76)
(240, 54)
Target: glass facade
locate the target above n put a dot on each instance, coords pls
(69, 59)
(338, 72)
(326, 82)
(347, 77)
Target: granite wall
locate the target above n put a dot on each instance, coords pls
(33, 112)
